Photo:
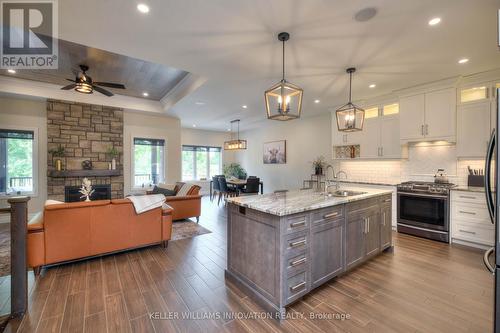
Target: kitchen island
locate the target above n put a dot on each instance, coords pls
(281, 246)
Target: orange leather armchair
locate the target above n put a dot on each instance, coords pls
(185, 206)
(70, 231)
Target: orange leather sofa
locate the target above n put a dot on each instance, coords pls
(69, 231)
(185, 206)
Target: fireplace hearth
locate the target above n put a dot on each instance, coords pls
(101, 192)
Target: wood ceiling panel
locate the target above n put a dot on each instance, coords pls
(137, 75)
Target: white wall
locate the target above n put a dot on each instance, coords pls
(29, 113)
(149, 126)
(306, 139)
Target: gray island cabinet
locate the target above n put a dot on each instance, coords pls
(281, 246)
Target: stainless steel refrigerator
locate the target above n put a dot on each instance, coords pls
(491, 183)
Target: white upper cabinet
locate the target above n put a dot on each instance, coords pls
(473, 129)
(476, 117)
(440, 114)
(412, 119)
(370, 140)
(390, 146)
(428, 116)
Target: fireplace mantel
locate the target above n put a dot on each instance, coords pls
(84, 173)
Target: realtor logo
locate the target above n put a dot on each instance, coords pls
(29, 34)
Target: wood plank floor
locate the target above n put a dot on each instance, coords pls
(423, 286)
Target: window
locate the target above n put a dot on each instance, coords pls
(149, 161)
(16, 161)
(389, 109)
(371, 113)
(473, 94)
(199, 162)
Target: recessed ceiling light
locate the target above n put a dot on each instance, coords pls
(373, 85)
(145, 94)
(143, 8)
(434, 21)
(244, 106)
(463, 61)
(194, 125)
(199, 103)
(229, 130)
(316, 101)
(11, 71)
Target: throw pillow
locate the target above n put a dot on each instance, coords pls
(164, 191)
(184, 190)
(167, 186)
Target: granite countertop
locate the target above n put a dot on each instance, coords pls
(469, 189)
(297, 201)
(366, 182)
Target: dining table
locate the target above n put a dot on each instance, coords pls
(239, 183)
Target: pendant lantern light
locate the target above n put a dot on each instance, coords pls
(350, 118)
(283, 100)
(235, 144)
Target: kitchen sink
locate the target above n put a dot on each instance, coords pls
(344, 193)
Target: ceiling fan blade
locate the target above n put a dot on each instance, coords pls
(69, 86)
(102, 91)
(110, 85)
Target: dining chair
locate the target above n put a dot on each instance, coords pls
(252, 186)
(224, 190)
(215, 187)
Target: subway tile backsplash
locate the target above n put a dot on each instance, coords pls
(421, 165)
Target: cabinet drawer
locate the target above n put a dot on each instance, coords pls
(296, 286)
(295, 244)
(470, 197)
(326, 215)
(296, 263)
(473, 212)
(296, 223)
(474, 233)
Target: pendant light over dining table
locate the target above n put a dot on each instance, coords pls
(350, 118)
(283, 100)
(235, 144)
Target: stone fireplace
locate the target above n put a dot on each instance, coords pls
(86, 132)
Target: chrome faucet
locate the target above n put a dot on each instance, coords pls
(335, 179)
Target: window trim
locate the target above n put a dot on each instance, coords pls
(209, 176)
(34, 161)
(132, 157)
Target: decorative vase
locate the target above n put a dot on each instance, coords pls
(113, 164)
(58, 163)
(87, 198)
(353, 151)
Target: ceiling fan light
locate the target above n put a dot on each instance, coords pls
(84, 88)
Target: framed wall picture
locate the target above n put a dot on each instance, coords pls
(274, 152)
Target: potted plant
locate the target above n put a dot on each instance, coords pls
(113, 152)
(58, 152)
(319, 164)
(235, 170)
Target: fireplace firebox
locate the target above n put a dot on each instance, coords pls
(101, 192)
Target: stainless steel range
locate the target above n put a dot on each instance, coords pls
(424, 209)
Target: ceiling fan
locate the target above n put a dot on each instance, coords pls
(83, 84)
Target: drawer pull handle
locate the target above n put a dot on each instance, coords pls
(467, 231)
(298, 262)
(467, 197)
(298, 243)
(464, 212)
(297, 224)
(298, 286)
(327, 216)
(387, 200)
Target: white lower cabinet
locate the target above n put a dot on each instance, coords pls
(470, 220)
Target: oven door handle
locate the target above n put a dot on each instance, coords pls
(423, 195)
